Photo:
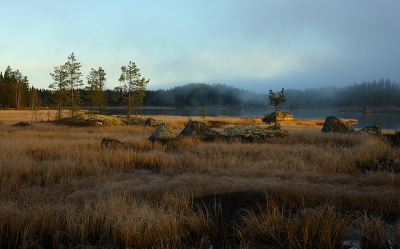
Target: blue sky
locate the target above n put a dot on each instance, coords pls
(250, 44)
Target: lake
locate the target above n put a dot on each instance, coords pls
(383, 120)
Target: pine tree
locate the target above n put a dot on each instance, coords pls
(59, 86)
(132, 85)
(74, 83)
(2, 90)
(96, 81)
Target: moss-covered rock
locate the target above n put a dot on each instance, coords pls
(162, 132)
(198, 129)
(336, 125)
(251, 131)
(372, 130)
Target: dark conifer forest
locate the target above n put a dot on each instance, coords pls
(15, 92)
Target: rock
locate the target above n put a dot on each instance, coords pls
(150, 122)
(251, 132)
(230, 207)
(373, 130)
(367, 110)
(198, 129)
(108, 142)
(336, 125)
(22, 124)
(279, 116)
(162, 132)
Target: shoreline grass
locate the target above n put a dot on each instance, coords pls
(60, 189)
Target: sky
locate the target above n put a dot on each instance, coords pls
(254, 45)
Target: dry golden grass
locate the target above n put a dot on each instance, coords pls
(60, 189)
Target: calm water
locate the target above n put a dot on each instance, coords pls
(383, 120)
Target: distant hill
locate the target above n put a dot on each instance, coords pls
(380, 93)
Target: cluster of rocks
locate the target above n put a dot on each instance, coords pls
(336, 125)
(201, 130)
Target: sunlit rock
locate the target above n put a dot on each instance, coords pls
(279, 116)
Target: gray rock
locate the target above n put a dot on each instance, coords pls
(108, 142)
(162, 132)
(336, 125)
(251, 132)
(373, 130)
(198, 129)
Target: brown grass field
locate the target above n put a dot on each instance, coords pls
(59, 189)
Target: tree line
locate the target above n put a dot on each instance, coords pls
(69, 91)
(15, 91)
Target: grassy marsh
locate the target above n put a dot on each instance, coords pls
(59, 189)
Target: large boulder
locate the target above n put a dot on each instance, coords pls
(198, 129)
(336, 125)
(162, 132)
(279, 116)
(372, 130)
(251, 132)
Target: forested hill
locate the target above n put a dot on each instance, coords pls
(199, 94)
(380, 93)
